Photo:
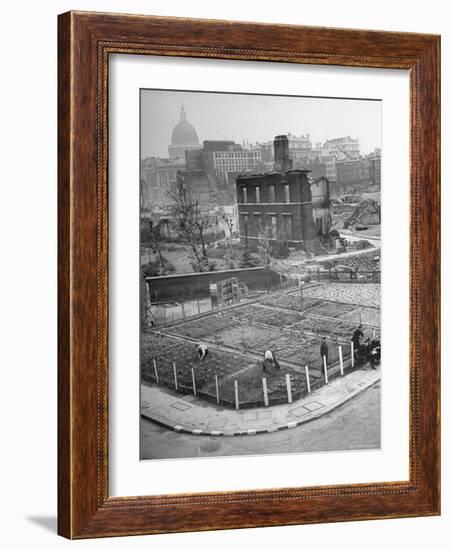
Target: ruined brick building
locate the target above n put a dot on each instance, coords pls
(278, 205)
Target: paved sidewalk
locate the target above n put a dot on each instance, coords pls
(191, 415)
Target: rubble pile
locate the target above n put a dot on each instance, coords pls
(367, 212)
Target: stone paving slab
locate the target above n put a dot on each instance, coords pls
(195, 417)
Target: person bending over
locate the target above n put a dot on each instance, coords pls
(202, 351)
(270, 360)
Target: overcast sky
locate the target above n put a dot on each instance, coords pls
(255, 118)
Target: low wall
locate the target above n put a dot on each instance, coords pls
(196, 285)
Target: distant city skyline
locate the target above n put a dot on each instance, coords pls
(256, 118)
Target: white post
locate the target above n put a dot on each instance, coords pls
(325, 369)
(341, 361)
(155, 371)
(352, 349)
(218, 391)
(308, 382)
(193, 380)
(264, 388)
(289, 388)
(236, 391)
(175, 376)
(374, 334)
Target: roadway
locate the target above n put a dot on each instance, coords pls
(353, 425)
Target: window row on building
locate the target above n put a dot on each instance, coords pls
(271, 225)
(268, 194)
(255, 155)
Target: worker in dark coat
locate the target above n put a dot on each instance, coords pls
(324, 350)
(375, 353)
(358, 335)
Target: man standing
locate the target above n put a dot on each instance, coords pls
(375, 353)
(358, 335)
(324, 350)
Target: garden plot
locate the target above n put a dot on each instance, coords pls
(204, 327)
(291, 324)
(247, 338)
(348, 314)
(332, 309)
(364, 315)
(250, 388)
(267, 316)
(303, 349)
(166, 351)
(335, 329)
(350, 293)
(292, 301)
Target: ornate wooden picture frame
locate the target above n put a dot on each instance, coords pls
(86, 41)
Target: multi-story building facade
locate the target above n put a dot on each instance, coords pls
(158, 180)
(199, 187)
(359, 173)
(278, 205)
(220, 158)
(300, 149)
(347, 145)
(330, 166)
(375, 167)
(352, 172)
(299, 146)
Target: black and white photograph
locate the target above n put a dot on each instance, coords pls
(260, 272)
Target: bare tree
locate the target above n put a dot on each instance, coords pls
(264, 246)
(193, 225)
(227, 219)
(156, 244)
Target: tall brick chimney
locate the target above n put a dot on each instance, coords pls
(281, 147)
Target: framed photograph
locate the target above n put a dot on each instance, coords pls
(249, 259)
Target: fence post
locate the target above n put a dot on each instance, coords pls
(183, 308)
(374, 334)
(341, 362)
(325, 369)
(236, 392)
(156, 374)
(199, 309)
(352, 349)
(308, 382)
(318, 274)
(193, 380)
(217, 389)
(289, 388)
(264, 388)
(175, 376)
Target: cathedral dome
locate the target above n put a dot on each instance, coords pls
(184, 133)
